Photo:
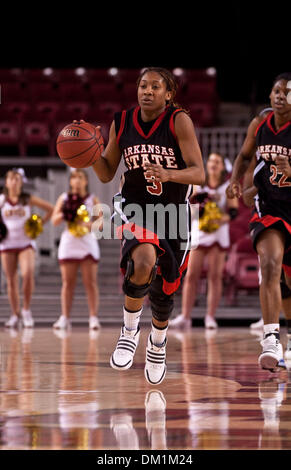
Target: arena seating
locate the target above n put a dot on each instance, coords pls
(241, 269)
(44, 95)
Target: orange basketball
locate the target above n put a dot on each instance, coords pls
(80, 144)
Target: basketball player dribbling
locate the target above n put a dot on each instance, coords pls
(157, 141)
(270, 225)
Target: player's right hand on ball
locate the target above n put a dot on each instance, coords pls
(233, 190)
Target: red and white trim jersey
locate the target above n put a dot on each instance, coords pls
(274, 195)
(158, 146)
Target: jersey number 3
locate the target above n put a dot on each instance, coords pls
(155, 187)
(282, 183)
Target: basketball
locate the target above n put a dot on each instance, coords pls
(80, 144)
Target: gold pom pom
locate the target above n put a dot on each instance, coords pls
(76, 227)
(33, 226)
(210, 214)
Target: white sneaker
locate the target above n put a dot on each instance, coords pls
(13, 322)
(272, 393)
(126, 435)
(180, 322)
(122, 357)
(272, 354)
(155, 367)
(27, 319)
(62, 323)
(210, 322)
(94, 323)
(257, 324)
(155, 414)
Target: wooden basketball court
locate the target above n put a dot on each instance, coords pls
(58, 391)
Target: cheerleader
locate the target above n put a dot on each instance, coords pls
(16, 247)
(213, 244)
(75, 251)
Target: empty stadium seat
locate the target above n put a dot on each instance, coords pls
(17, 108)
(77, 109)
(38, 92)
(70, 92)
(202, 114)
(41, 75)
(11, 75)
(47, 110)
(101, 92)
(9, 138)
(36, 138)
(12, 92)
(242, 269)
(239, 227)
(72, 75)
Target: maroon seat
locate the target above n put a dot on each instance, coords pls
(11, 75)
(77, 109)
(102, 92)
(17, 108)
(202, 114)
(125, 76)
(47, 110)
(42, 92)
(40, 75)
(105, 110)
(71, 75)
(98, 76)
(36, 138)
(12, 92)
(129, 91)
(239, 227)
(73, 92)
(201, 92)
(242, 269)
(10, 141)
(114, 76)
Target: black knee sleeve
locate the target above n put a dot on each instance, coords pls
(161, 304)
(134, 290)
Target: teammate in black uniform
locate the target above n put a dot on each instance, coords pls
(270, 138)
(250, 191)
(158, 144)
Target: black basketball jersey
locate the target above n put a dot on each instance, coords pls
(158, 146)
(274, 195)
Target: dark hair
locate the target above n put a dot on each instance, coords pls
(23, 197)
(169, 79)
(80, 170)
(282, 76)
(223, 173)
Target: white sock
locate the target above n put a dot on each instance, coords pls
(158, 335)
(131, 319)
(271, 328)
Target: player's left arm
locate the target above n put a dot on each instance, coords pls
(191, 153)
(44, 205)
